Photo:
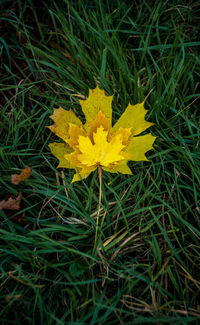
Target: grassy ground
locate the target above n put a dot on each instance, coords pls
(51, 54)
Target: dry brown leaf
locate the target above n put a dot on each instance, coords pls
(12, 297)
(12, 203)
(25, 173)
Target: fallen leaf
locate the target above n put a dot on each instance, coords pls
(11, 297)
(25, 173)
(97, 143)
(12, 203)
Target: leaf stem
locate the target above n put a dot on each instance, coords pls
(99, 204)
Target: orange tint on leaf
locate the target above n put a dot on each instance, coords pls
(100, 120)
(25, 173)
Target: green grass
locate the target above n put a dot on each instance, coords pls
(51, 53)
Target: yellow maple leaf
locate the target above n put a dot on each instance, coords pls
(96, 143)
